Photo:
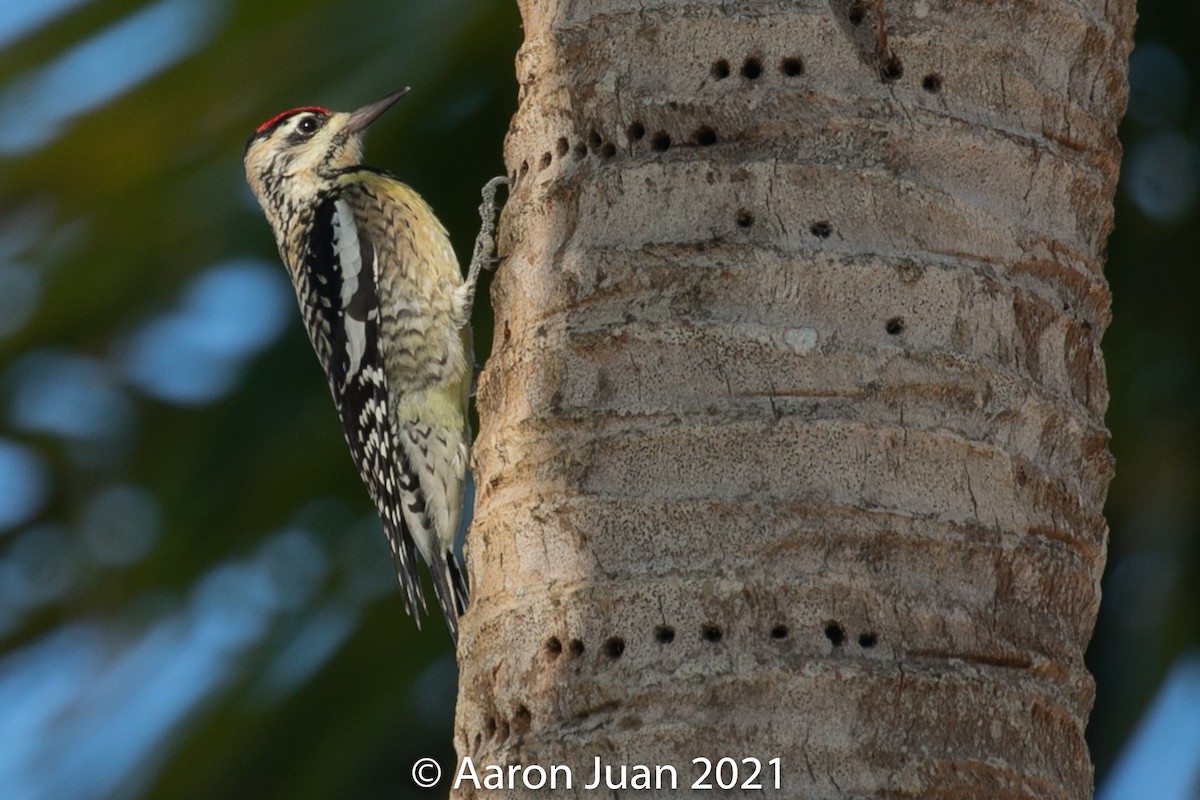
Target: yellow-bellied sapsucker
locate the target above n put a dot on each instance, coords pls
(387, 309)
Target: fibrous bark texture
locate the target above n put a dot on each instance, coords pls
(792, 436)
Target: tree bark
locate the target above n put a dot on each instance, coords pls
(792, 435)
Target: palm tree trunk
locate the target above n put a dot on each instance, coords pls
(793, 442)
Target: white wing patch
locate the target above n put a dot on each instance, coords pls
(348, 256)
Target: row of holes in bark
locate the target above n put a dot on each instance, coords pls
(501, 729)
(792, 66)
(752, 68)
(614, 646)
(660, 142)
(705, 135)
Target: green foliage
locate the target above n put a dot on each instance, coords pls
(116, 211)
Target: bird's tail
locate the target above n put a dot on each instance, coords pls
(450, 586)
(404, 559)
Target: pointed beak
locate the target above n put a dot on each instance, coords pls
(364, 116)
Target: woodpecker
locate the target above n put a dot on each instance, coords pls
(387, 309)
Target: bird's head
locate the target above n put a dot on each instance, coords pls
(290, 156)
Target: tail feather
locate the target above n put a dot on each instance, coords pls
(404, 560)
(451, 590)
(458, 582)
(431, 465)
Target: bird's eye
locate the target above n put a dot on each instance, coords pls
(307, 125)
